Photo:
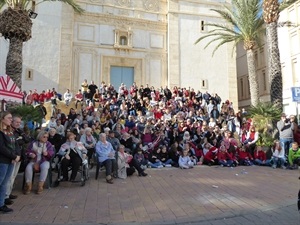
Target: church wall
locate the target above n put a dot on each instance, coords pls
(197, 67)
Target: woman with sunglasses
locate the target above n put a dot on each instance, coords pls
(8, 156)
(39, 153)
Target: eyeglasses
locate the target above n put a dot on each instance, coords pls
(45, 136)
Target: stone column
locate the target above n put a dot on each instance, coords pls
(173, 45)
(65, 79)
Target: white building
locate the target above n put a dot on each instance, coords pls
(146, 41)
(289, 46)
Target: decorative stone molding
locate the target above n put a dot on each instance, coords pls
(93, 18)
(151, 5)
(126, 3)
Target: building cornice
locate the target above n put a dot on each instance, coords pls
(96, 18)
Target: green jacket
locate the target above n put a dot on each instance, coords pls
(293, 155)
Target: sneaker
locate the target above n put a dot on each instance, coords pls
(143, 174)
(110, 181)
(159, 167)
(283, 167)
(8, 201)
(274, 166)
(5, 209)
(13, 196)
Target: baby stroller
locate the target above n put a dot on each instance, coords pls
(83, 170)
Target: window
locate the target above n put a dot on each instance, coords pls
(248, 83)
(242, 87)
(204, 84)
(123, 39)
(29, 74)
(264, 79)
(203, 28)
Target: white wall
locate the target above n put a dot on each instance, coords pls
(41, 52)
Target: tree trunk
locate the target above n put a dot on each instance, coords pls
(253, 81)
(14, 61)
(274, 65)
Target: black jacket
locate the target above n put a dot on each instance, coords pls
(7, 148)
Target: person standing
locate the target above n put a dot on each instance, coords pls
(84, 88)
(8, 156)
(286, 133)
(21, 140)
(93, 87)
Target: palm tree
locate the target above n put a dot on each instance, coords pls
(15, 25)
(271, 10)
(243, 24)
(264, 116)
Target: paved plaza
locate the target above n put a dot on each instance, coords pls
(203, 195)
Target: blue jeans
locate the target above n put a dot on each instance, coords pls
(261, 163)
(156, 164)
(286, 144)
(169, 161)
(277, 162)
(227, 163)
(5, 173)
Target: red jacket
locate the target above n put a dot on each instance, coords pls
(42, 97)
(48, 95)
(223, 155)
(35, 96)
(210, 156)
(244, 155)
(261, 155)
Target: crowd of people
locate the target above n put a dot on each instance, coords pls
(134, 129)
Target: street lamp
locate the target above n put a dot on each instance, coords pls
(32, 14)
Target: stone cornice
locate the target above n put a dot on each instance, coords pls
(95, 18)
(205, 2)
(89, 48)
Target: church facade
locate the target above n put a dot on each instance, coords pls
(124, 41)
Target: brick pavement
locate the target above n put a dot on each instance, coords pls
(203, 195)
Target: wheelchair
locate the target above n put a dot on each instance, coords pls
(83, 171)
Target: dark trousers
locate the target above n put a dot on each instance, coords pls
(110, 166)
(134, 165)
(75, 162)
(81, 103)
(90, 153)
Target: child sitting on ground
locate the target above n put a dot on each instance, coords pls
(164, 157)
(294, 156)
(260, 157)
(278, 157)
(244, 157)
(184, 160)
(224, 157)
(140, 158)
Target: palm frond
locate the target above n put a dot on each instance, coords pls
(265, 110)
(242, 22)
(28, 113)
(77, 8)
(283, 5)
(2, 3)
